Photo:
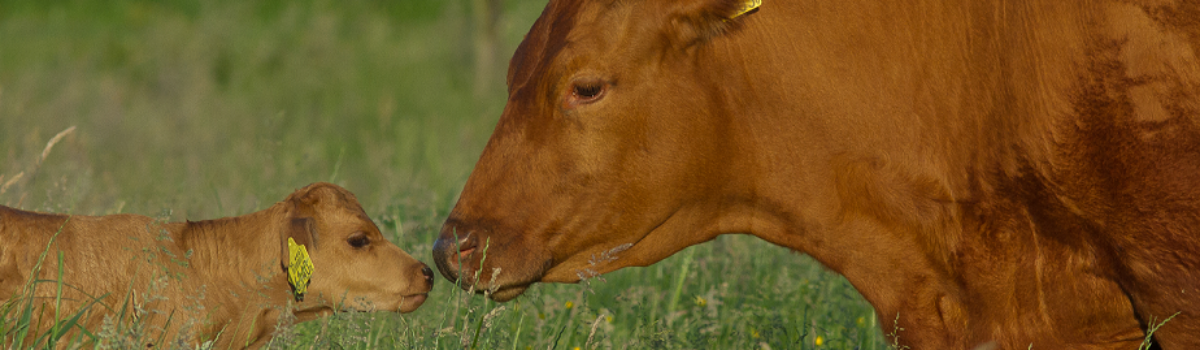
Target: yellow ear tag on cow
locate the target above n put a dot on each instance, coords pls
(300, 268)
(747, 7)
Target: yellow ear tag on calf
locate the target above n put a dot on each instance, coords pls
(747, 7)
(300, 268)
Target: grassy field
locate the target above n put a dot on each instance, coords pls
(191, 109)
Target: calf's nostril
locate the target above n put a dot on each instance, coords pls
(428, 273)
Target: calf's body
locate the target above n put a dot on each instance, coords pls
(222, 280)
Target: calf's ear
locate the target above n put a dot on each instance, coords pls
(695, 22)
(307, 203)
(302, 231)
(298, 236)
(297, 239)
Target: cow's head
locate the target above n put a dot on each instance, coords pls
(611, 151)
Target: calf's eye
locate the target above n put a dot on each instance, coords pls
(358, 240)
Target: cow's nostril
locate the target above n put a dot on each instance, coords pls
(453, 247)
(466, 244)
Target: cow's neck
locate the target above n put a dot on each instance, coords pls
(898, 150)
(876, 123)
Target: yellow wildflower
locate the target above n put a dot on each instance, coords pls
(570, 305)
(820, 340)
(700, 301)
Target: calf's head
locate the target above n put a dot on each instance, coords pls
(353, 266)
(607, 149)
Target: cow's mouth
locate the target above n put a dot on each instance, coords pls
(499, 287)
(477, 263)
(508, 293)
(497, 283)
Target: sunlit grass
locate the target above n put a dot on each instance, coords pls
(202, 109)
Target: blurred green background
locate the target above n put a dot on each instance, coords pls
(191, 109)
(211, 108)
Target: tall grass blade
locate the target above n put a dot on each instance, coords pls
(1148, 342)
(30, 290)
(517, 336)
(337, 166)
(54, 330)
(683, 273)
(74, 320)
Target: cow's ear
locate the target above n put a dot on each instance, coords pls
(695, 22)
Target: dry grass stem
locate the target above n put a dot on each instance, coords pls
(54, 140)
(592, 334)
(11, 181)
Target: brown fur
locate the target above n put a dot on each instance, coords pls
(220, 279)
(993, 172)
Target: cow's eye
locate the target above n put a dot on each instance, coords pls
(358, 240)
(586, 91)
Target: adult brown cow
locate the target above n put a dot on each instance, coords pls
(1011, 172)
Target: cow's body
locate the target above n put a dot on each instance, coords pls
(1016, 172)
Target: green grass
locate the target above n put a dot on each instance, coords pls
(189, 109)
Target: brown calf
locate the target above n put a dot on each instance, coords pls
(223, 280)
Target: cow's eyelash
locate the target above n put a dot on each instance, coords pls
(585, 91)
(588, 91)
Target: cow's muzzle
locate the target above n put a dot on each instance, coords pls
(452, 250)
